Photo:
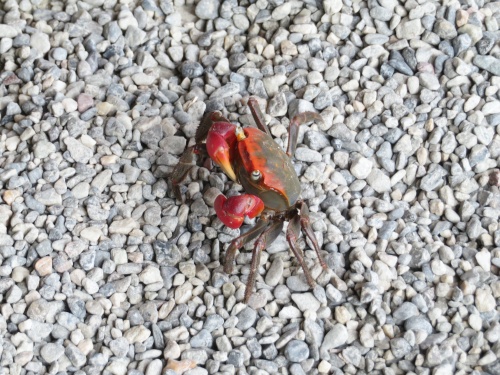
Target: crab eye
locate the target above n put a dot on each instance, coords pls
(256, 175)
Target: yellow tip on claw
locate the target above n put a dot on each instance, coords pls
(240, 134)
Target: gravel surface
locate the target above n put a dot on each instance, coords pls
(102, 271)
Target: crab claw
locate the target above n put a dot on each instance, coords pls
(219, 140)
(231, 211)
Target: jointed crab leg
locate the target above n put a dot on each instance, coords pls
(257, 115)
(292, 234)
(240, 241)
(305, 223)
(186, 162)
(268, 236)
(293, 129)
(206, 123)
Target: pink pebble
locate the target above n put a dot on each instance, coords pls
(85, 102)
(425, 67)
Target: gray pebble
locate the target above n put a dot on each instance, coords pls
(296, 351)
(336, 337)
(51, 352)
(202, 340)
(246, 318)
(207, 9)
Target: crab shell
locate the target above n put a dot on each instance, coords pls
(240, 156)
(279, 186)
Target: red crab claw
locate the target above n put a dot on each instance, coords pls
(220, 138)
(231, 211)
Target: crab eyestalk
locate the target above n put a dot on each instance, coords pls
(220, 140)
(255, 175)
(231, 211)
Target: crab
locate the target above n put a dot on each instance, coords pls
(250, 157)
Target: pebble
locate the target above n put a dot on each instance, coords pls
(201, 340)
(275, 272)
(48, 197)
(484, 300)
(134, 36)
(75, 355)
(79, 152)
(44, 266)
(85, 102)
(225, 91)
(307, 155)
(246, 318)
(488, 63)
(207, 9)
(191, 69)
(429, 81)
(43, 149)
(400, 347)
(124, 226)
(281, 11)
(7, 31)
(335, 338)
(361, 168)
(59, 54)
(40, 41)
(51, 352)
(306, 301)
(379, 181)
(297, 351)
(150, 275)
(409, 29)
(445, 29)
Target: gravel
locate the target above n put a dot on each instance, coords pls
(102, 270)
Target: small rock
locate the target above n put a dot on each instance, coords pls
(207, 9)
(297, 351)
(485, 301)
(445, 29)
(246, 318)
(336, 337)
(488, 63)
(124, 226)
(51, 352)
(44, 266)
(150, 275)
(40, 41)
(379, 181)
(7, 31)
(85, 102)
(43, 149)
(361, 168)
(78, 151)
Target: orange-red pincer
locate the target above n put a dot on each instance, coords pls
(231, 211)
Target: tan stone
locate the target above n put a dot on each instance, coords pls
(180, 366)
(9, 196)
(44, 266)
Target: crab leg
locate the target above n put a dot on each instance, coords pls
(206, 123)
(494, 178)
(293, 129)
(305, 223)
(268, 236)
(258, 116)
(186, 162)
(292, 234)
(240, 241)
(190, 156)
